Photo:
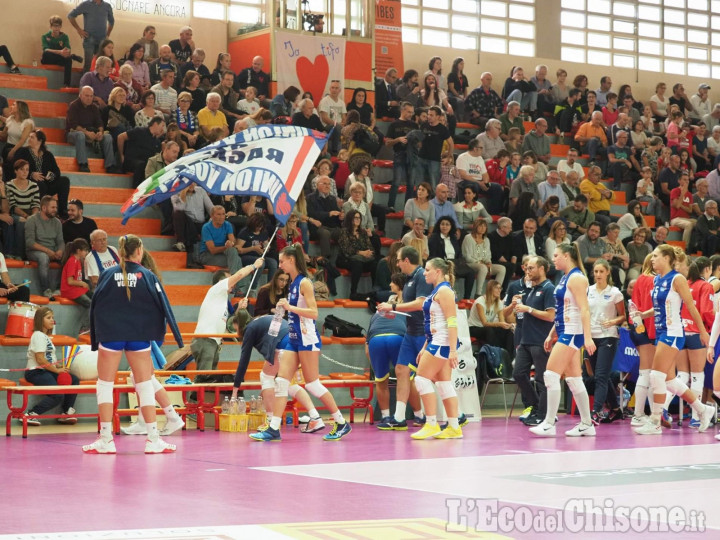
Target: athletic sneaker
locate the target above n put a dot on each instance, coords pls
(450, 433)
(172, 425)
(616, 414)
(462, 421)
(544, 430)
(666, 419)
(638, 421)
(158, 446)
(263, 426)
(338, 432)
(137, 428)
(31, 419)
(717, 437)
(694, 423)
(313, 426)
(100, 446)
(526, 412)
(390, 424)
(418, 421)
(304, 419)
(581, 430)
(69, 419)
(705, 418)
(427, 432)
(649, 429)
(533, 419)
(269, 435)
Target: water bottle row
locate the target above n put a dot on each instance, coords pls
(239, 406)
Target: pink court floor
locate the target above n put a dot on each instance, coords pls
(498, 482)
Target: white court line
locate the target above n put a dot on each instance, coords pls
(234, 532)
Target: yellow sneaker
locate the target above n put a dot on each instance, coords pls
(263, 426)
(427, 432)
(450, 433)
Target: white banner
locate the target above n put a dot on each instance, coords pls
(175, 9)
(309, 62)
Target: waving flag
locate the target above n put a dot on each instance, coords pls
(270, 160)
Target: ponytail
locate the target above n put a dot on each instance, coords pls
(447, 268)
(296, 252)
(79, 244)
(573, 250)
(127, 246)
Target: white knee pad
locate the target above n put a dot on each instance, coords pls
(156, 385)
(316, 388)
(552, 380)
(423, 385)
(643, 378)
(104, 391)
(266, 381)
(676, 386)
(281, 387)
(145, 393)
(576, 385)
(293, 390)
(445, 389)
(684, 376)
(657, 382)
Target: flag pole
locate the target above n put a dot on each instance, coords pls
(263, 256)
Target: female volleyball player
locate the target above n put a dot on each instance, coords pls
(129, 310)
(438, 356)
(669, 292)
(303, 346)
(572, 328)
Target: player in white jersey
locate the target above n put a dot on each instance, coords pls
(668, 294)
(572, 329)
(438, 356)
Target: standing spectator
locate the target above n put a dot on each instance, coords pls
(427, 165)
(100, 258)
(681, 201)
(183, 47)
(78, 226)
(150, 46)
(483, 103)
(162, 63)
(255, 76)
(72, 285)
(501, 248)
(98, 21)
(387, 100)
(165, 94)
(23, 200)
(478, 256)
(45, 244)
(99, 80)
(56, 50)
(141, 71)
(138, 145)
(397, 138)
(84, 127)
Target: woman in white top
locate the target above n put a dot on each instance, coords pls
(632, 220)
(607, 312)
(43, 369)
(487, 322)
(476, 251)
(558, 235)
(658, 103)
(470, 209)
(18, 126)
(713, 142)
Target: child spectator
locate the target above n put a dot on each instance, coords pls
(610, 111)
(56, 49)
(449, 174)
(72, 285)
(249, 104)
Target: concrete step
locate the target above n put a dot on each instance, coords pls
(37, 95)
(53, 74)
(80, 180)
(112, 210)
(102, 195)
(151, 242)
(60, 148)
(52, 123)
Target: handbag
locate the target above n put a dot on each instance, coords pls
(627, 358)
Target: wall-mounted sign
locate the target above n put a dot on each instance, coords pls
(174, 9)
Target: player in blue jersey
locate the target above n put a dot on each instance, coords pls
(670, 291)
(303, 347)
(438, 356)
(572, 329)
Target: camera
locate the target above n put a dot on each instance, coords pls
(312, 22)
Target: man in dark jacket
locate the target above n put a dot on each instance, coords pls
(501, 248)
(324, 216)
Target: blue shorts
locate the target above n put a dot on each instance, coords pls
(296, 345)
(383, 351)
(281, 346)
(640, 339)
(132, 346)
(574, 341)
(438, 351)
(671, 341)
(693, 343)
(411, 346)
(709, 371)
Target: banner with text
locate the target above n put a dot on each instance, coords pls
(388, 37)
(174, 9)
(309, 62)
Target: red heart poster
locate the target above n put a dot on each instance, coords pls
(313, 76)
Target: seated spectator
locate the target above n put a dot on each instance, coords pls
(637, 250)
(552, 187)
(118, 116)
(490, 139)
(524, 184)
(478, 256)
(324, 216)
(592, 138)
(358, 203)
(212, 121)
(106, 49)
(196, 64)
(355, 251)
(85, 127)
(263, 116)
(538, 141)
(577, 216)
(511, 119)
(591, 248)
(163, 63)
(539, 168)
(186, 120)
(622, 162)
(513, 142)
(386, 269)
(251, 244)
(660, 238)
(7, 227)
(191, 207)
(632, 220)
(138, 145)
(590, 106)
(44, 243)
(141, 71)
(24, 200)
(18, 126)
(229, 99)
(44, 170)
(417, 238)
(99, 80)
(43, 369)
(610, 109)
(101, 257)
(217, 247)
(257, 204)
(165, 94)
(571, 186)
(598, 196)
(282, 104)
(387, 100)
(497, 169)
(255, 76)
(486, 320)
(483, 103)
(306, 118)
(150, 46)
(271, 293)
(191, 85)
(183, 47)
(332, 109)
(620, 260)
(700, 152)
(409, 89)
(133, 90)
(706, 230)
(168, 155)
(77, 226)
(457, 86)
(472, 169)
(564, 166)
(444, 243)
(512, 171)
(13, 293)
(223, 64)
(557, 235)
(365, 110)
(681, 208)
(250, 105)
(420, 206)
(527, 241)
(517, 88)
(444, 208)
(324, 168)
(548, 214)
(361, 174)
(56, 50)
(568, 116)
(289, 234)
(72, 285)
(470, 209)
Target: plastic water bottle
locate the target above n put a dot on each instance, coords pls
(635, 315)
(276, 321)
(253, 404)
(233, 407)
(260, 406)
(242, 408)
(226, 405)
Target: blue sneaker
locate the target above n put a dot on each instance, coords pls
(339, 431)
(418, 421)
(462, 421)
(694, 423)
(269, 435)
(390, 424)
(666, 419)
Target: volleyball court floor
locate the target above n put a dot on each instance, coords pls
(498, 482)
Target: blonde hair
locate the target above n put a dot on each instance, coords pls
(127, 246)
(114, 92)
(647, 268)
(446, 267)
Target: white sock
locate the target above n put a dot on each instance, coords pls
(668, 398)
(400, 408)
(275, 422)
(170, 412)
(581, 399)
(106, 431)
(697, 406)
(553, 403)
(337, 416)
(418, 413)
(641, 392)
(152, 430)
(140, 417)
(313, 414)
(384, 413)
(431, 420)
(656, 411)
(697, 382)
(453, 423)
(269, 417)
